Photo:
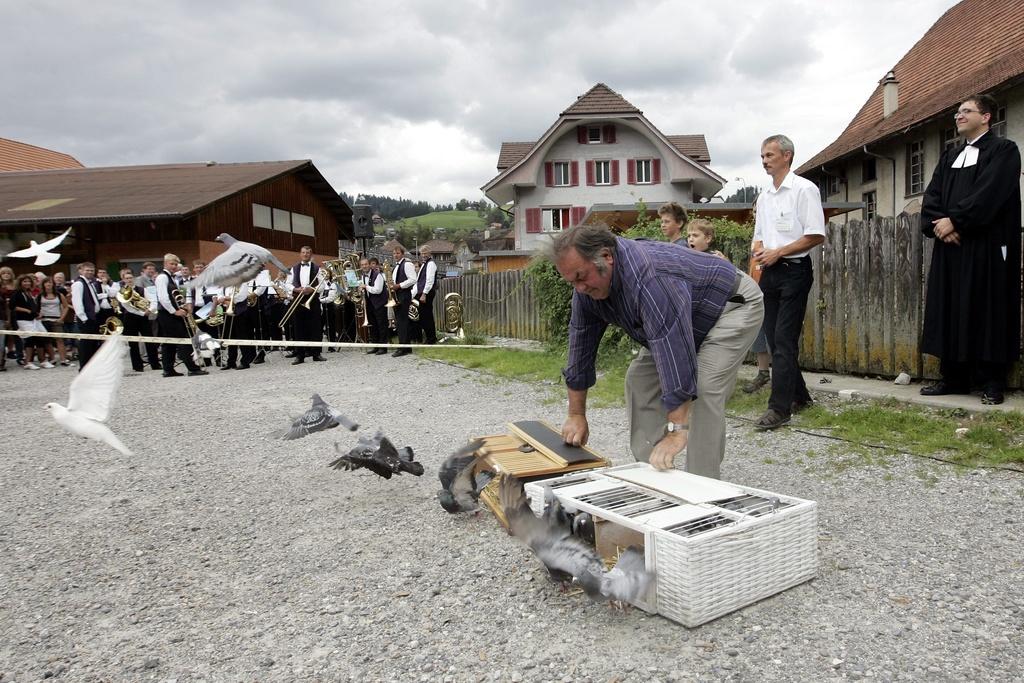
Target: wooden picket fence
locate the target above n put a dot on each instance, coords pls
(866, 308)
(500, 304)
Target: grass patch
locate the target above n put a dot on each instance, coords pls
(991, 438)
(461, 220)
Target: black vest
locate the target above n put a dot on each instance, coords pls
(172, 289)
(88, 299)
(381, 298)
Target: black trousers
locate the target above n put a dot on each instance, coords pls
(87, 347)
(308, 327)
(378, 324)
(135, 326)
(270, 321)
(964, 375)
(403, 299)
(242, 325)
(174, 326)
(427, 324)
(785, 286)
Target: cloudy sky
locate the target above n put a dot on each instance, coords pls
(413, 98)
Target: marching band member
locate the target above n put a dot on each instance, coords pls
(334, 313)
(375, 299)
(135, 320)
(423, 291)
(240, 326)
(308, 326)
(274, 304)
(86, 302)
(170, 321)
(261, 286)
(201, 297)
(405, 278)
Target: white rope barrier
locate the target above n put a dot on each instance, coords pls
(281, 343)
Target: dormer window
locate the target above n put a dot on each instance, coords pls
(594, 135)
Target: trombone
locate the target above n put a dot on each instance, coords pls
(323, 276)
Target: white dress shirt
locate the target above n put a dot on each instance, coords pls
(429, 284)
(162, 297)
(304, 269)
(786, 214)
(77, 292)
(408, 275)
(374, 288)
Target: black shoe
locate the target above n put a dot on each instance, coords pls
(298, 361)
(197, 371)
(992, 397)
(331, 349)
(140, 369)
(173, 373)
(229, 367)
(372, 352)
(400, 352)
(942, 388)
(319, 359)
(260, 358)
(243, 366)
(800, 406)
(381, 352)
(156, 366)
(771, 419)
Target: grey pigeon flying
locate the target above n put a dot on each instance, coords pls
(384, 460)
(318, 418)
(460, 486)
(567, 557)
(240, 262)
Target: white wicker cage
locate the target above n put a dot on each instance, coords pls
(714, 547)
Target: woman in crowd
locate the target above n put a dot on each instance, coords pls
(7, 289)
(25, 310)
(54, 307)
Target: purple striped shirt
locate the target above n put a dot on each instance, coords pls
(666, 297)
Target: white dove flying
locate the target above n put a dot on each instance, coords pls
(92, 395)
(239, 263)
(42, 252)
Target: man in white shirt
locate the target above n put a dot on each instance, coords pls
(789, 223)
(85, 301)
(423, 292)
(171, 320)
(404, 277)
(308, 322)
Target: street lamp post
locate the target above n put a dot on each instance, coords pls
(743, 187)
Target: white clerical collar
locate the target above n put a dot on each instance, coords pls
(968, 156)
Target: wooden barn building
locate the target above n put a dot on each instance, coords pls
(132, 214)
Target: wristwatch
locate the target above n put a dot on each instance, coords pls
(676, 427)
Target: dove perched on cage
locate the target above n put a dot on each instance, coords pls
(460, 484)
(318, 418)
(240, 262)
(42, 252)
(92, 394)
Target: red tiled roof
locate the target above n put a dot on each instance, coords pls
(511, 152)
(693, 146)
(439, 246)
(601, 100)
(974, 47)
(21, 156)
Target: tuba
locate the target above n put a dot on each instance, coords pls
(129, 297)
(453, 315)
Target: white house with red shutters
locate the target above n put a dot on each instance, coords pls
(601, 150)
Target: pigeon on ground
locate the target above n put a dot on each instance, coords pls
(42, 252)
(461, 487)
(92, 395)
(567, 557)
(384, 460)
(240, 262)
(318, 418)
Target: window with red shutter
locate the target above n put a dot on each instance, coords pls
(581, 134)
(655, 171)
(590, 172)
(615, 171)
(533, 220)
(578, 212)
(631, 171)
(609, 133)
(575, 174)
(549, 174)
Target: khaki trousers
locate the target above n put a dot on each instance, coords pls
(718, 361)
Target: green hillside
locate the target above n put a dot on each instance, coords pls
(461, 221)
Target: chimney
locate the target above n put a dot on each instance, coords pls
(890, 95)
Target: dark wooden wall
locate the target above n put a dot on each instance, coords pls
(234, 216)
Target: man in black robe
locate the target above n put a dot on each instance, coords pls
(972, 210)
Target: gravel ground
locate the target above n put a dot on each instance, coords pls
(218, 554)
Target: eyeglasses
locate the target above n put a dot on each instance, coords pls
(965, 112)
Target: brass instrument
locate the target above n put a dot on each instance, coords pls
(326, 273)
(453, 315)
(414, 310)
(129, 297)
(230, 311)
(216, 319)
(388, 281)
(112, 325)
(190, 322)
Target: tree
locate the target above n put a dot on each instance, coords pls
(744, 195)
